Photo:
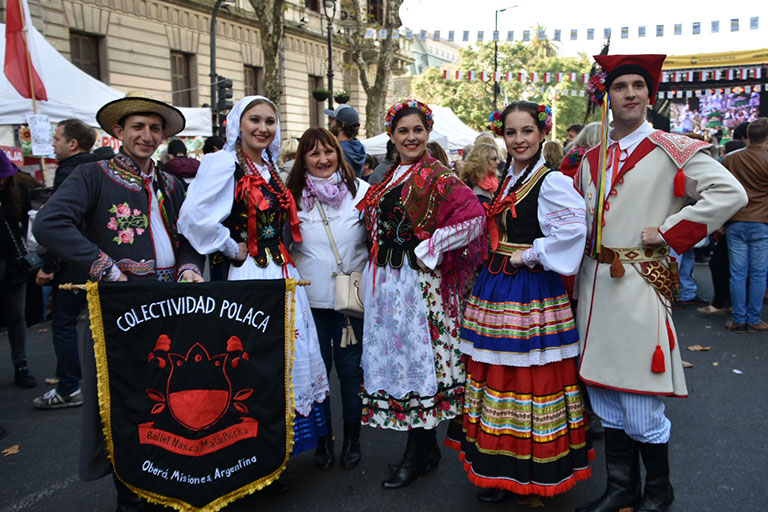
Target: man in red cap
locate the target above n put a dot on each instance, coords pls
(638, 187)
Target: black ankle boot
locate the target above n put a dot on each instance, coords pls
(658, 495)
(414, 463)
(493, 495)
(127, 500)
(324, 456)
(22, 377)
(350, 449)
(623, 467)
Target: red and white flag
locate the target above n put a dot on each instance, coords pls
(458, 74)
(21, 60)
(702, 76)
(560, 77)
(521, 77)
(730, 74)
(585, 78)
(534, 77)
(547, 77)
(483, 76)
(510, 76)
(743, 73)
(758, 72)
(496, 76)
(689, 76)
(471, 76)
(446, 74)
(717, 74)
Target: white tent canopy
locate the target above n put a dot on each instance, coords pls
(72, 93)
(449, 131)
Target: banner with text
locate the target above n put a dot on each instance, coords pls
(194, 386)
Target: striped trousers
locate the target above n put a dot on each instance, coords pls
(640, 416)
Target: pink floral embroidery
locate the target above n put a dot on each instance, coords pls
(123, 210)
(128, 222)
(126, 236)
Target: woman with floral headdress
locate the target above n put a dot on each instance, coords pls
(426, 228)
(233, 188)
(524, 428)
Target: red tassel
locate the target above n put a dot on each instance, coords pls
(671, 336)
(680, 183)
(657, 366)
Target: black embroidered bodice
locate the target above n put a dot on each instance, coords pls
(522, 229)
(269, 223)
(395, 235)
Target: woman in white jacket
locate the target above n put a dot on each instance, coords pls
(323, 184)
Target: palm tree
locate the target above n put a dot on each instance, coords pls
(543, 47)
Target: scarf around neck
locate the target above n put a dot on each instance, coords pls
(330, 190)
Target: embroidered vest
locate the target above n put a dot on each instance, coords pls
(519, 230)
(269, 224)
(394, 232)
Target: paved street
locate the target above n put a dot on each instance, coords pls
(718, 451)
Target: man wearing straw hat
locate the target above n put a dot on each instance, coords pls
(638, 187)
(116, 220)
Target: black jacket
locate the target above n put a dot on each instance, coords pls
(67, 165)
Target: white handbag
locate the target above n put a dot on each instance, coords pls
(349, 294)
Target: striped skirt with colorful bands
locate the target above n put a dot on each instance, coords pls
(524, 426)
(523, 429)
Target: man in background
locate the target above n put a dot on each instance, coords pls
(344, 124)
(72, 142)
(748, 231)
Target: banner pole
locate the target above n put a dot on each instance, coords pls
(31, 78)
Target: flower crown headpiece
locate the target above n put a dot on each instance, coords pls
(596, 88)
(543, 118)
(409, 103)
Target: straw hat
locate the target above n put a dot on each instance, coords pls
(136, 102)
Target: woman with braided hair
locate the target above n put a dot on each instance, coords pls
(233, 188)
(426, 229)
(524, 430)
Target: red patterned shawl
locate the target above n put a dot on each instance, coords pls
(434, 197)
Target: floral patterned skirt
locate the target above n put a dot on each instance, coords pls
(409, 408)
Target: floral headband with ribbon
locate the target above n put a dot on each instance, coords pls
(409, 103)
(596, 88)
(543, 118)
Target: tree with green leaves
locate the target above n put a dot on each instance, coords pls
(359, 48)
(472, 101)
(270, 21)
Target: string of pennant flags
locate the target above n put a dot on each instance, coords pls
(690, 93)
(574, 34)
(532, 77)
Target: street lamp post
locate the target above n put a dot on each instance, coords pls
(496, 58)
(212, 74)
(329, 9)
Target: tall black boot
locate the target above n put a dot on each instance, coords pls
(350, 449)
(432, 452)
(623, 467)
(127, 500)
(324, 456)
(414, 462)
(658, 494)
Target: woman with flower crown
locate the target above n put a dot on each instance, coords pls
(426, 229)
(238, 206)
(524, 429)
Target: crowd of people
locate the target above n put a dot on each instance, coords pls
(470, 315)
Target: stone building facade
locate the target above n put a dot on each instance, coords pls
(163, 48)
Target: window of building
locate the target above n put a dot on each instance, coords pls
(85, 54)
(313, 5)
(254, 80)
(376, 11)
(316, 108)
(181, 83)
